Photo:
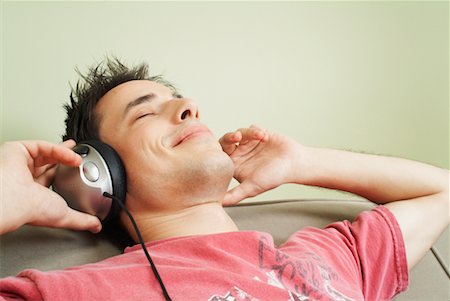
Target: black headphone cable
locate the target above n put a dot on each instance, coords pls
(141, 241)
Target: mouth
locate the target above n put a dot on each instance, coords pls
(192, 132)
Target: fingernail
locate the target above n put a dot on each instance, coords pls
(97, 229)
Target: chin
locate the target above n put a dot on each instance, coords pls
(209, 176)
(199, 178)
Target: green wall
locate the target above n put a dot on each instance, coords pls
(365, 76)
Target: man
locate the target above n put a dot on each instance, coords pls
(178, 175)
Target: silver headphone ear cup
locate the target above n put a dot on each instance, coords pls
(117, 175)
(101, 171)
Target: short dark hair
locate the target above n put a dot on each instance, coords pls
(81, 122)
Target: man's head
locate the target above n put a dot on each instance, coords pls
(172, 161)
(81, 121)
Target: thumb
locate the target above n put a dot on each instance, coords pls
(79, 221)
(72, 219)
(54, 212)
(242, 191)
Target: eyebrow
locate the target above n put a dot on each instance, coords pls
(140, 100)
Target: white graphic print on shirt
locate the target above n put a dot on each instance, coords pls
(303, 279)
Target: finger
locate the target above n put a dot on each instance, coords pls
(252, 138)
(250, 134)
(79, 221)
(46, 176)
(265, 135)
(72, 219)
(48, 153)
(253, 126)
(51, 210)
(240, 192)
(229, 141)
(68, 143)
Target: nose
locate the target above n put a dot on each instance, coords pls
(186, 109)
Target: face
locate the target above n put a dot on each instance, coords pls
(172, 160)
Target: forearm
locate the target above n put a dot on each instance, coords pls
(417, 194)
(377, 178)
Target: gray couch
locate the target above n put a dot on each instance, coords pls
(48, 249)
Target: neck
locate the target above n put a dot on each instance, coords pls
(202, 219)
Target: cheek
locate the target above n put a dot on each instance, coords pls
(143, 169)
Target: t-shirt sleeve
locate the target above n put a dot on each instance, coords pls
(18, 288)
(368, 254)
(377, 242)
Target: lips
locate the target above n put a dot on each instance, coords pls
(191, 132)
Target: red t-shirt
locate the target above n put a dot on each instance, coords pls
(363, 260)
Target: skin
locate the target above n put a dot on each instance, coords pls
(180, 189)
(165, 193)
(27, 169)
(416, 193)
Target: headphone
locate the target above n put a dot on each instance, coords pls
(100, 172)
(98, 187)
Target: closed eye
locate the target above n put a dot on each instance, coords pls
(145, 115)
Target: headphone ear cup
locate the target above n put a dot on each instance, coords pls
(117, 174)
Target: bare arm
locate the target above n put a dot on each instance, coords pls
(416, 193)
